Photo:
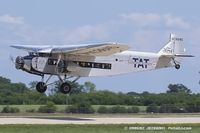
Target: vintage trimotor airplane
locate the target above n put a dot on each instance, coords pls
(106, 59)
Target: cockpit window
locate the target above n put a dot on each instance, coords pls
(45, 54)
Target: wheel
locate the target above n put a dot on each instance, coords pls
(65, 88)
(177, 66)
(41, 87)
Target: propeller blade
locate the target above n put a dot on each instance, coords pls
(12, 59)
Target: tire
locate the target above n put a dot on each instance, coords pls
(177, 66)
(65, 88)
(41, 87)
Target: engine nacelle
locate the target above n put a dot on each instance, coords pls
(19, 62)
(67, 66)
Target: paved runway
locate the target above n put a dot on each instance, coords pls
(70, 120)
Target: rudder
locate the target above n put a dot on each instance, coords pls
(171, 54)
(173, 47)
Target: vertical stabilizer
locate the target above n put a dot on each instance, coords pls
(173, 47)
(171, 54)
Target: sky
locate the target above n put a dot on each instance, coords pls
(145, 25)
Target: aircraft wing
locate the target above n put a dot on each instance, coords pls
(103, 49)
(32, 48)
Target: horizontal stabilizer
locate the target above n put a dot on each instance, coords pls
(181, 55)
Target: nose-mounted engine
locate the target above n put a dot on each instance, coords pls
(25, 64)
(19, 62)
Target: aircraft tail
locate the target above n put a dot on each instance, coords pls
(173, 47)
(172, 53)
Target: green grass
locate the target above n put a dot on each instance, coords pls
(142, 108)
(195, 128)
(61, 108)
(24, 108)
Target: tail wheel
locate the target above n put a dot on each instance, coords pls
(65, 88)
(177, 66)
(41, 87)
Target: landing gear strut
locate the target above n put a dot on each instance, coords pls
(64, 87)
(177, 66)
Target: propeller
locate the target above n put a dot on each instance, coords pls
(18, 62)
(12, 59)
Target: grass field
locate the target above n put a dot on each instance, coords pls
(136, 128)
(60, 108)
(24, 108)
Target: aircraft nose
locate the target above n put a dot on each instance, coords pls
(19, 62)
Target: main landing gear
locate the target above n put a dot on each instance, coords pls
(64, 86)
(41, 87)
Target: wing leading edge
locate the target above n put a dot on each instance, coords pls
(103, 49)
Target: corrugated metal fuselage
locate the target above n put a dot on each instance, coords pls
(83, 66)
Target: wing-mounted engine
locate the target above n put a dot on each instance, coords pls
(73, 66)
(62, 66)
(66, 66)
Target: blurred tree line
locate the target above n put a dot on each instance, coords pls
(178, 98)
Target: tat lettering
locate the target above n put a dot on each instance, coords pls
(140, 63)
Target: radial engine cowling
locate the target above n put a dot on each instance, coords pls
(19, 62)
